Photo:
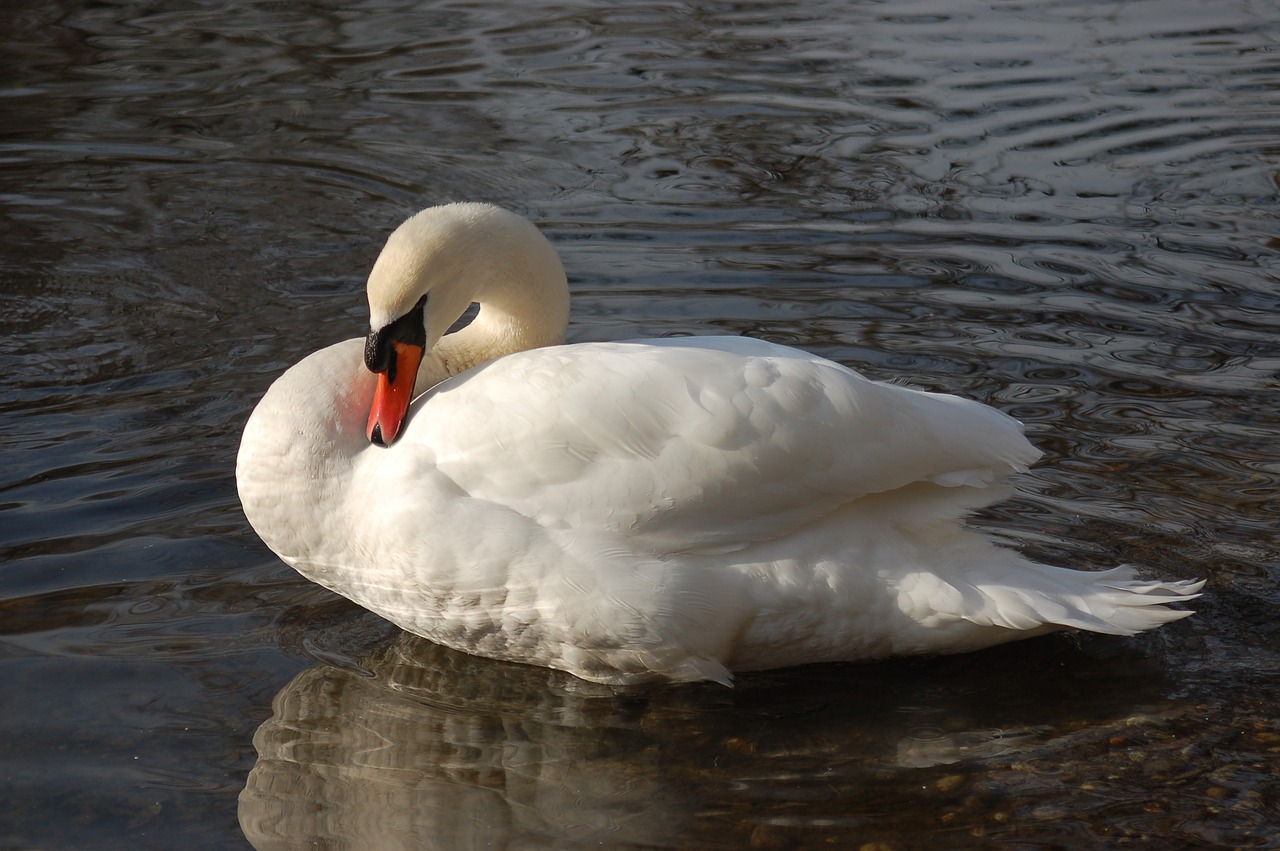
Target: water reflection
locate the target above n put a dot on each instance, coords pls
(423, 747)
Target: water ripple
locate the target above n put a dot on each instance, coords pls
(1066, 210)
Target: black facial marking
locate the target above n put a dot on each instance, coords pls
(379, 356)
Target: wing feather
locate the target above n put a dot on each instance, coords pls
(701, 443)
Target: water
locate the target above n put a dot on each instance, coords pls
(1065, 209)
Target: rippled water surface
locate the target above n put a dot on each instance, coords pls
(1065, 209)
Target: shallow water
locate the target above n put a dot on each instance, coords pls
(1065, 209)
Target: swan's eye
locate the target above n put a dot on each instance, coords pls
(379, 353)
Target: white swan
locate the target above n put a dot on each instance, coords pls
(674, 508)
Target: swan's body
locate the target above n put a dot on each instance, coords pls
(676, 508)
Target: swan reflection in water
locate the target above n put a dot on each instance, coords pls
(425, 747)
(439, 749)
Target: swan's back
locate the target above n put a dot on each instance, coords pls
(694, 443)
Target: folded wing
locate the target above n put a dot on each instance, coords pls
(698, 444)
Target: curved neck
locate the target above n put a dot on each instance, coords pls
(515, 315)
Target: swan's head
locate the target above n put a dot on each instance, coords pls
(433, 267)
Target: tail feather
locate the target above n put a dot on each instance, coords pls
(1112, 601)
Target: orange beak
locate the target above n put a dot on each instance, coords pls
(393, 394)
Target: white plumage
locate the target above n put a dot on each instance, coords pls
(675, 508)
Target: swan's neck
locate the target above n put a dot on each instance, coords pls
(516, 314)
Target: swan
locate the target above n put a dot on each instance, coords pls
(671, 509)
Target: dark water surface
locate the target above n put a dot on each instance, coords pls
(1065, 209)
